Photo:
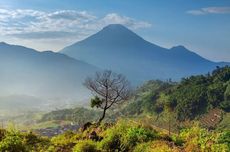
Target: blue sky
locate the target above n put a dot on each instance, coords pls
(202, 26)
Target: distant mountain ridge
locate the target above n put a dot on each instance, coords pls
(59, 76)
(117, 48)
(42, 74)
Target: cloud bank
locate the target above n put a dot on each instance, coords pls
(210, 10)
(33, 24)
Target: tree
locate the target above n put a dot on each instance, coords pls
(170, 107)
(215, 93)
(108, 88)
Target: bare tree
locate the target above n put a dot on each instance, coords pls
(108, 88)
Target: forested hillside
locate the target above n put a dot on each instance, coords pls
(156, 100)
(190, 98)
(77, 115)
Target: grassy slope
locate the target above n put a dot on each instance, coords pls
(225, 123)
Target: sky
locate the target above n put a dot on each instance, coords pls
(203, 26)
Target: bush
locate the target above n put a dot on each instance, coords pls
(162, 146)
(112, 140)
(86, 146)
(34, 142)
(2, 134)
(143, 147)
(225, 105)
(177, 140)
(64, 141)
(135, 135)
(124, 136)
(198, 139)
(12, 142)
(224, 138)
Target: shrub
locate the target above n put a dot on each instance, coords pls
(225, 105)
(86, 146)
(114, 137)
(12, 143)
(198, 139)
(224, 138)
(64, 141)
(162, 146)
(112, 141)
(143, 147)
(136, 135)
(34, 142)
(2, 134)
(124, 136)
(177, 140)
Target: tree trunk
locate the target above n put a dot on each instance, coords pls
(169, 125)
(105, 108)
(102, 117)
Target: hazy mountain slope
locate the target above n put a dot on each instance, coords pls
(24, 103)
(41, 74)
(118, 48)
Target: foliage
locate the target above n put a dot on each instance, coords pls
(35, 142)
(96, 102)
(177, 140)
(12, 142)
(196, 94)
(224, 138)
(143, 147)
(221, 74)
(125, 135)
(85, 146)
(2, 134)
(201, 139)
(224, 124)
(135, 135)
(112, 139)
(193, 104)
(215, 93)
(64, 141)
(225, 105)
(162, 146)
(154, 86)
(149, 98)
(189, 99)
(78, 115)
(227, 92)
(110, 89)
(186, 100)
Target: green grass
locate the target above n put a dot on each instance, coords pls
(225, 123)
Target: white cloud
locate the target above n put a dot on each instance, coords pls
(70, 15)
(217, 10)
(114, 18)
(196, 12)
(33, 24)
(210, 10)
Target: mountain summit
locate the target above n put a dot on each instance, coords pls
(116, 33)
(117, 48)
